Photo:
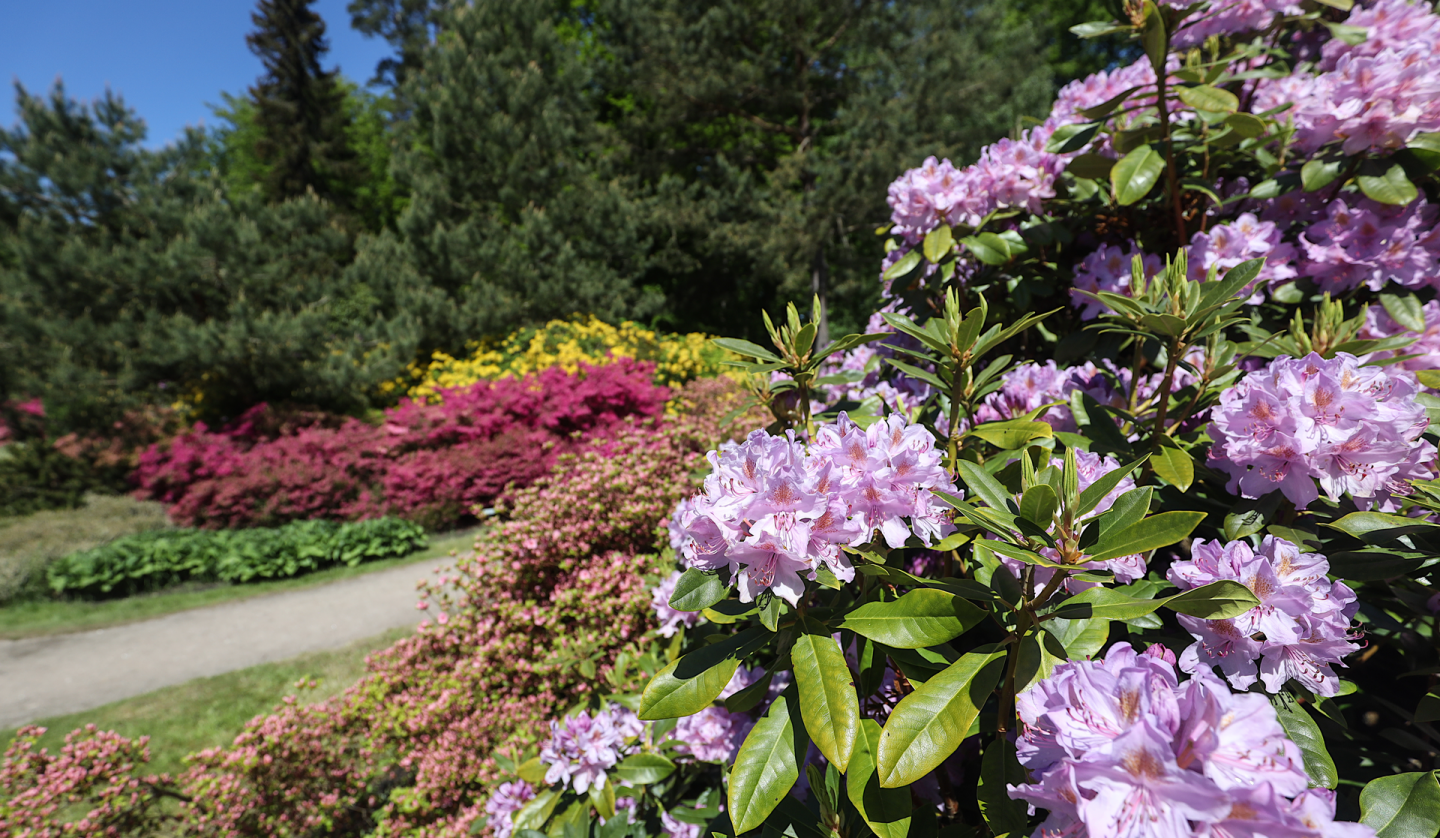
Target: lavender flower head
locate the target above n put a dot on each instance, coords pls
(1108, 268)
(1426, 348)
(1354, 429)
(712, 735)
(774, 512)
(670, 619)
(1119, 747)
(1298, 631)
(504, 803)
(676, 828)
(583, 747)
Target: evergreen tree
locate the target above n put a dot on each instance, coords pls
(406, 24)
(129, 277)
(299, 107)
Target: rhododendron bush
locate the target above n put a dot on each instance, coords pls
(1121, 519)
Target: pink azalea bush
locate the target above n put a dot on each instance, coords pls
(432, 463)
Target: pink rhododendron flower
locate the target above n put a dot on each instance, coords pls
(1354, 429)
(1361, 242)
(712, 735)
(583, 747)
(504, 803)
(1298, 631)
(1426, 348)
(1119, 747)
(1108, 269)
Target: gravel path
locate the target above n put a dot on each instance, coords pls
(67, 673)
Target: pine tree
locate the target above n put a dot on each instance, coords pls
(406, 24)
(300, 107)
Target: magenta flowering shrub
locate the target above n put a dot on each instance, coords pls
(1356, 430)
(433, 463)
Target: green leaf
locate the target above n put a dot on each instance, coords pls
(1405, 310)
(537, 810)
(1402, 805)
(1106, 107)
(766, 768)
(1104, 485)
(1301, 729)
(643, 769)
(693, 682)
(1215, 601)
(1174, 467)
(1097, 28)
(532, 771)
(983, 484)
(1012, 433)
(1203, 97)
(1071, 138)
(1038, 505)
(886, 811)
(923, 617)
(999, 769)
(1080, 638)
(938, 243)
(1430, 378)
(1390, 187)
(903, 266)
(930, 723)
(1154, 38)
(828, 703)
(1135, 174)
(746, 349)
(988, 248)
(697, 590)
(603, 798)
(1149, 534)
(1246, 125)
(1318, 174)
(1250, 516)
(1093, 166)
(1362, 525)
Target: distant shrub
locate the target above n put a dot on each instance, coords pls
(153, 559)
(431, 463)
(570, 344)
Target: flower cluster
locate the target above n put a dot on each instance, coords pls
(1298, 631)
(504, 803)
(1426, 348)
(773, 511)
(1361, 242)
(1119, 747)
(1108, 268)
(1226, 245)
(712, 735)
(583, 747)
(1355, 429)
(671, 621)
(1227, 17)
(1371, 103)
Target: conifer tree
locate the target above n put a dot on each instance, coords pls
(300, 107)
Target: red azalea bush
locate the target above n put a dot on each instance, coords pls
(427, 462)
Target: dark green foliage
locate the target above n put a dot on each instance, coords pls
(150, 560)
(406, 24)
(35, 476)
(299, 107)
(130, 279)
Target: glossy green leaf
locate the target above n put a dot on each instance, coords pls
(1246, 125)
(904, 265)
(1301, 729)
(532, 771)
(766, 768)
(745, 348)
(886, 811)
(983, 484)
(930, 723)
(1106, 107)
(1080, 638)
(1149, 534)
(693, 682)
(696, 590)
(1203, 97)
(602, 797)
(1135, 174)
(828, 703)
(1318, 174)
(1012, 433)
(1389, 187)
(1405, 310)
(923, 617)
(1038, 505)
(988, 248)
(938, 243)
(1091, 496)
(1402, 805)
(537, 810)
(643, 769)
(1092, 166)
(999, 769)
(1215, 601)
(1068, 139)
(1364, 524)
(1174, 466)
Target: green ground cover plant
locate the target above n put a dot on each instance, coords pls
(151, 560)
(38, 617)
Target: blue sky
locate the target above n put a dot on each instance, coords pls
(167, 58)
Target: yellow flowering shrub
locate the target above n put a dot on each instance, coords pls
(568, 344)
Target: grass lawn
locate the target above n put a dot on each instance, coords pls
(209, 712)
(39, 617)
